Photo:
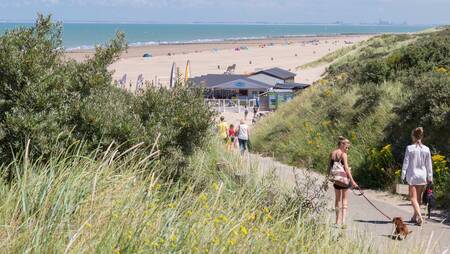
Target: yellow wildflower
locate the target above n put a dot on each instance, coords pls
(387, 148)
(215, 186)
(251, 217)
(244, 230)
(231, 242)
(203, 197)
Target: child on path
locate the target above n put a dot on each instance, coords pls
(231, 137)
(223, 129)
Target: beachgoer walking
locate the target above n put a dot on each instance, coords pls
(243, 135)
(417, 171)
(339, 155)
(245, 113)
(255, 110)
(231, 137)
(223, 129)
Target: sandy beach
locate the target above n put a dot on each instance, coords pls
(213, 58)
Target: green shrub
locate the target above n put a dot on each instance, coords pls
(427, 106)
(56, 102)
(380, 168)
(441, 179)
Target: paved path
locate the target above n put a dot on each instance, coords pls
(364, 221)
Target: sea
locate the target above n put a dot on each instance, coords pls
(87, 35)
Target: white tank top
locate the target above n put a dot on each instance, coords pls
(243, 132)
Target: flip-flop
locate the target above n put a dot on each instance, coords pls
(419, 222)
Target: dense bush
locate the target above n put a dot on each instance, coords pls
(56, 102)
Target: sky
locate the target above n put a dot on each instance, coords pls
(235, 11)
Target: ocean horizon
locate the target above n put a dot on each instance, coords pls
(79, 36)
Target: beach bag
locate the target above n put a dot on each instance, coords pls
(338, 175)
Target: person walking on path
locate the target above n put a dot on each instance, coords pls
(255, 110)
(243, 135)
(245, 113)
(231, 137)
(417, 171)
(223, 129)
(339, 155)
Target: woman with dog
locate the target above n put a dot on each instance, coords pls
(341, 188)
(417, 171)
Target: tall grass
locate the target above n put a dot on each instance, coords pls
(328, 58)
(74, 204)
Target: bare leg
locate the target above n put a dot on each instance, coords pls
(419, 189)
(336, 204)
(344, 204)
(413, 196)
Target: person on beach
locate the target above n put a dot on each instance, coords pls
(245, 113)
(417, 171)
(223, 129)
(341, 193)
(231, 137)
(243, 135)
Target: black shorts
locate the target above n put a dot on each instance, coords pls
(337, 187)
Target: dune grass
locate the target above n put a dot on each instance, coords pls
(74, 204)
(328, 58)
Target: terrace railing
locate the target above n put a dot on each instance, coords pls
(231, 105)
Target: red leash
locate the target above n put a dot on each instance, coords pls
(361, 193)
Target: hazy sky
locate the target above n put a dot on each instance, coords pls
(181, 11)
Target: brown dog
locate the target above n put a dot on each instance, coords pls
(400, 229)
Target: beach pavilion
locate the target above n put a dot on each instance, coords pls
(228, 86)
(271, 87)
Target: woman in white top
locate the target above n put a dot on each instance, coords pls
(417, 171)
(243, 136)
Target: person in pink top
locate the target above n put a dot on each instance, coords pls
(231, 137)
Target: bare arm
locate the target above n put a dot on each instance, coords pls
(347, 170)
(405, 165)
(429, 167)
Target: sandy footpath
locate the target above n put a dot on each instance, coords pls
(213, 58)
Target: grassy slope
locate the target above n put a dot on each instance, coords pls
(302, 130)
(305, 130)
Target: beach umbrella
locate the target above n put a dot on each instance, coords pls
(188, 70)
(173, 75)
(147, 55)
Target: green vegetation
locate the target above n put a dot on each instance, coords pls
(89, 168)
(330, 57)
(375, 96)
(56, 103)
(103, 204)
